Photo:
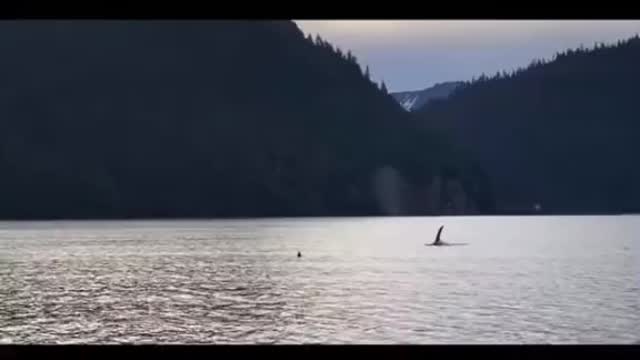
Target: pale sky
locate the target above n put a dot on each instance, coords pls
(414, 54)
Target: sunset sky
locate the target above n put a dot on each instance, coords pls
(412, 54)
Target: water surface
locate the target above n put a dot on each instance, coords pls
(360, 280)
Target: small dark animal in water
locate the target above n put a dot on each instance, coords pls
(299, 254)
(438, 241)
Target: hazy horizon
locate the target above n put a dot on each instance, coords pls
(415, 54)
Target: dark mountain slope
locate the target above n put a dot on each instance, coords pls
(562, 133)
(202, 118)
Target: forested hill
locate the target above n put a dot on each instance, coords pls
(562, 133)
(212, 119)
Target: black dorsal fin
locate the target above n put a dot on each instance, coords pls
(438, 236)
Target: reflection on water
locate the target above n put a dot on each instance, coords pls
(360, 280)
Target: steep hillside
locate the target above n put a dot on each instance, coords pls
(560, 133)
(206, 118)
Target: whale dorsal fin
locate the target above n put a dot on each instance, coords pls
(438, 236)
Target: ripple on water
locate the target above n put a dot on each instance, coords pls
(239, 284)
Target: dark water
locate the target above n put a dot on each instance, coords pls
(360, 280)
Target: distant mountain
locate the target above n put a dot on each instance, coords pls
(414, 100)
(209, 119)
(562, 134)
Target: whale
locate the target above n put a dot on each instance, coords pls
(438, 241)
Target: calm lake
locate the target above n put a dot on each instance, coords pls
(359, 280)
